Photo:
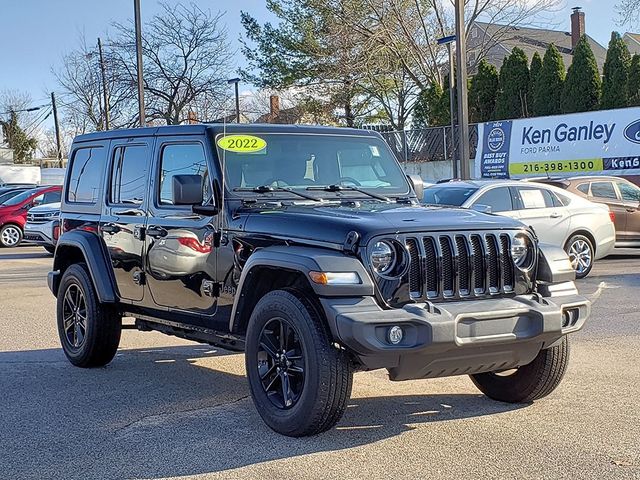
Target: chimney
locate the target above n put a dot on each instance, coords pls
(577, 26)
(274, 105)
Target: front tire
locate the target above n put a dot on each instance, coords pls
(529, 382)
(581, 253)
(10, 236)
(89, 331)
(299, 380)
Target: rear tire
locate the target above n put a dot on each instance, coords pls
(10, 236)
(318, 375)
(581, 253)
(89, 331)
(529, 382)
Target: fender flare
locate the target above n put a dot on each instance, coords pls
(303, 260)
(95, 255)
(554, 265)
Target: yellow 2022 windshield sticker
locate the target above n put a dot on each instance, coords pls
(242, 143)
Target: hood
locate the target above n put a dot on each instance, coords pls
(332, 223)
(47, 207)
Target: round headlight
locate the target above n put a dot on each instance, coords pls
(383, 257)
(520, 250)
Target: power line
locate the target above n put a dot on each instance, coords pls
(28, 109)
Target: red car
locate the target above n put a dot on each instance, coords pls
(13, 212)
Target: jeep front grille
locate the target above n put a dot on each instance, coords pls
(458, 265)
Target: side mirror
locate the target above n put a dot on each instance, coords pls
(478, 207)
(418, 185)
(187, 189)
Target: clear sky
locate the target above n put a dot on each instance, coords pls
(34, 34)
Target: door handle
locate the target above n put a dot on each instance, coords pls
(156, 232)
(631, 210)
(555, 215)
(109, 228)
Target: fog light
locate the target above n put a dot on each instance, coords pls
(395, 335)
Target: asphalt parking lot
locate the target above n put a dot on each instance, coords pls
(171, 408)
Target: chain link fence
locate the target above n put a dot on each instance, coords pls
(428, 144)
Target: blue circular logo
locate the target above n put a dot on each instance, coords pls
(495, 139)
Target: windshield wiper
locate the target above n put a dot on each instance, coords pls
(269, 188)
(349, 188)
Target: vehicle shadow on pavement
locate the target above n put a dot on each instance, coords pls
(25, 255)
(173, 411)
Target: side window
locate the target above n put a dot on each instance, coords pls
(52, 197)
(584, 188)
(629, 192)
(129, 175)
(37, 200)
(499, 199)
(560, 200)
(85, 175)
(535, 198)
(603, 190)
(181, 159)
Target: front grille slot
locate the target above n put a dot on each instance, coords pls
(457, 265)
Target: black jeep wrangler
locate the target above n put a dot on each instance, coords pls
(306, 248)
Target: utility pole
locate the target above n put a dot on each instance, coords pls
(57, 127)
(463, 106)
(136, 6)
(104, 87)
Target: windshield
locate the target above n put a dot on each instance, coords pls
(300, 161)
(449, 195)
(18, 199)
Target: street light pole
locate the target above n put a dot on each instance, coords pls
(56, 125)
(235, 82)
(105, 94)
(463, 107)
(136, 7)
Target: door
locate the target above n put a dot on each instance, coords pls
(603, 191)
(181, 257)
(124, 217)
(538, 208)
(630, 195)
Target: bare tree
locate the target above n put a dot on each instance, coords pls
(187, 60)
(628, 12)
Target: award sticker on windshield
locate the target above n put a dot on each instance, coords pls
(242, 143)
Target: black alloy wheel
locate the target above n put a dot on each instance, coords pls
(74, 315)
(281, 363)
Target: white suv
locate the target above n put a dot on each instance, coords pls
(43, 226)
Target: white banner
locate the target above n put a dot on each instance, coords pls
(596, 143)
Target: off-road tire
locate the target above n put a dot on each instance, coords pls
(328, 370)
(529, 382)
(4, 234)
(103, 324)
(577, 239)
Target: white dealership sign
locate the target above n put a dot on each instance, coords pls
(596, 143)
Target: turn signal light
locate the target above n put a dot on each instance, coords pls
(56, 232)
(334, 278)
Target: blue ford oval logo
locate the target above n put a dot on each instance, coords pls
(632, 132)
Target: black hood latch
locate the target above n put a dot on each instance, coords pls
(350, 244)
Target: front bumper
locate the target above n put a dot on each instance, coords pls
(40, 233)
(455, 338)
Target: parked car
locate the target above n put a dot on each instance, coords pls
(13, 212)
(306, 248)
(583, 229)
(621, 195)
(43, 226)
(6, 193)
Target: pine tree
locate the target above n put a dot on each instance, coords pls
(483, 92)
(534, 69)
(514, 86)
(582, 87)
(22, 145)
(547, 91)
(615, 80)
(634, 82)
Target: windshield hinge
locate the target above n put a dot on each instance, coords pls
(350, 244)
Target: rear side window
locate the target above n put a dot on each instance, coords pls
(129, 175)
(85, 175)
(584, 188)
(499, 199)
(603, 190)
(181, 159)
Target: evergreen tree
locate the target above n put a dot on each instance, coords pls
(547, 91)
(514, 86)
(534, 69)
(634, 82)
(22, 145)
(615, 82)
(483, 92)
(432, 107)
(582, 87)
